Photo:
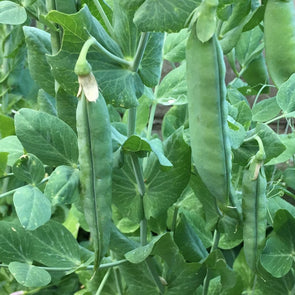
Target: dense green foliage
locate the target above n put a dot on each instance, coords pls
(93, 200)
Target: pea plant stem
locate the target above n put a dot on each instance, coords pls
(113, 57)
(104, 18)
(89, 267)
(151, 119)
(216, 238)
(131, 121)
(137, 167)
(55, 37)
(103, 282)
(139, 52)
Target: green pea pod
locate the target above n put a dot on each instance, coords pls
(95, 158)
(254, 212)
(279, 39)
(208, 114)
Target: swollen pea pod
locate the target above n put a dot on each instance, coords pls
(279, 39)
(95, 157)
(254, 210)
(210, 144)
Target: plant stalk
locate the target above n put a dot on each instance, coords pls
(113, 57)
(151, 120)
(140, 51)
(55, 37)
(103, 282)
(104, 18)
(207, 279)
(137, 168)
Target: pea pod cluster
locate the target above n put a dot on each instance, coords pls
(95, 158)
(279, 39)
(254, 211)
(210, 144)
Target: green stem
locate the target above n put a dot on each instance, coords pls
(6, 175)
(131, 121)
(14, 190)
(9, 193)
(104, 18)
(276, 118)
(138, 174)
(139, 52)
(151, 120)
(174, 220)
(115, 58)
(143, 229)
(207, 279)
(151, 267)
(89, 267)
(118, 281)
(103, 282)
(55, 37)
(137, 168)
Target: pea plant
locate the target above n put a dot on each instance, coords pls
(94, 200)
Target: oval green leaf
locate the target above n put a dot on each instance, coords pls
(12, 13)
(29, 275)
(32, 207)
(47, 137)
(29, 168)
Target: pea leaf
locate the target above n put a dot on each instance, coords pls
(15, 243)
(6, 126)
(29, 168)
(239, 13)
(3, 162)
(173, 119)
(206, 199)
(12, 13)
(151, 64)
(137, 275)
(164, 246)
(249, 46)
(53, 245)
(32, 207)
(141, 253)
(139, 144)
(66, 105)
(62, 185)
(272, 143)
(13, 147)
(265, 110)
(167, 15)
(46, 103)
(188, 241)
(49, 137)
(119, 86)
(286, 95)
(38, 45)
(29, 275)
(173, 88)
(289, 142)
(277, 256)
(124, 191)
(174, 46)
(193, 211)
(164, 187)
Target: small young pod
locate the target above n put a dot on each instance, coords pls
(254, 212)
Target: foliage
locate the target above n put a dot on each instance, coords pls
(93, 200)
